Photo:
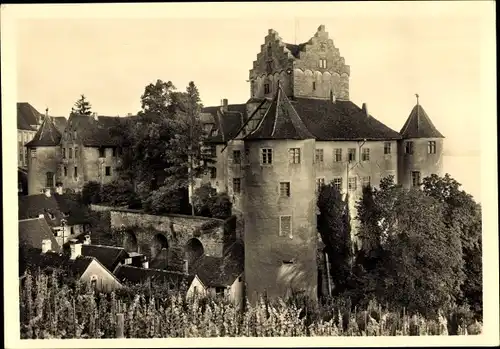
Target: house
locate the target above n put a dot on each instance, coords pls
(223, 276)
(33, 231)
(74, 265)
(67, 217)
(109, 256)
(28, 122)
(129, 274)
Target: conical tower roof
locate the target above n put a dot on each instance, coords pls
(280, 121)
(47, 135)
(419, 125)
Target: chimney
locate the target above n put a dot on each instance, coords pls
(186, 266)
(94, 115)
(129, 114)
(145, 263)
(87, 240)
(46, 245)
(365, 109)
(46, 191)
(59, 189)
(41, 215)
(224, 105)
(75, 248)
(47, 113)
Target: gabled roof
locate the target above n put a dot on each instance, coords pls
(95, 133)
(34, 259)
(46, 136)
(27, 116)
(220, 271)
(280, 121)
(108, 256)
(226, 122)
(33, 231)
(419, 125)
(59, 206)
(136, 275)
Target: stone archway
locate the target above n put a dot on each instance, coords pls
(130, 241)
(193, 250)
(158, 243)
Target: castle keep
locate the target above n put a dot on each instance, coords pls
(297, 131)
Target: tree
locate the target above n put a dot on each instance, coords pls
(222, 206)
(91, 193)
(334, 228)
(208, 203)
(82, 106)
(418, 258)
(118, 193)
(463, 214)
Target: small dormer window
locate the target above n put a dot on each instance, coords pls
(267, 89)
(102, 152)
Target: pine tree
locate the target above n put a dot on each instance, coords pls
(82, 106)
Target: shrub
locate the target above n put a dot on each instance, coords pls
(118, 193)
(91, 193)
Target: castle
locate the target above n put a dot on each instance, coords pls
(298, 131)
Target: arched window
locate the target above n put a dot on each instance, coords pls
(93, 281)
(50, 180)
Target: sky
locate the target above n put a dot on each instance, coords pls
(393, 51)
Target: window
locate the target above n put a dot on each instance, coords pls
(352, 183)
(25, 155)
(319, 183)
(285, 226)
(102, 152)
(74, 134)
(65, 171)
(50, 180)
(287, 261)
(236, 185)
(20, 151)
(64, 153)
(240, 279)
(33, 153)
(415, 178)
(431, 147)
(114, 152)
(319, 155)
(252, 88)
(351, 154)
(267, 156)
(75, 174)
(237, 157)
(269, 65)
(314, 85)
(212, 151)
(285, 189)
(387, 147)
(93, 281)
(337, 183)
(266, 89)
(108, 170)
(76, 152)
(213, 172)
(365, 155)
(294, 155)
(269, 48)
(219, 291)
(322, 63)
(338, 155)
(409, 148)
(366, 181)
(70, 153)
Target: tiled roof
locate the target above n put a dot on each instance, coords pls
(94, 133)
(31, 206)
(227, 123)
(47, 135)
(27, 115)
(340, 120)
(33, 231)
(108, 256)
(280, 121)
(419, 125)
(295, 49)
(34, 259)
(220, 271)
(136, 275)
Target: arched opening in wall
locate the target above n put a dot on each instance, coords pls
(159, 242)
(193, 250)
(130, 241)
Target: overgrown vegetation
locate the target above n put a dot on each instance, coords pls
(208, 203)
(420, 249)
(50, 309)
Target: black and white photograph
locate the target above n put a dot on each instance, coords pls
(219, 172)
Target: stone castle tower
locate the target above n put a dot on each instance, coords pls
(44, 154)
(279, 204)
(420, 150)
